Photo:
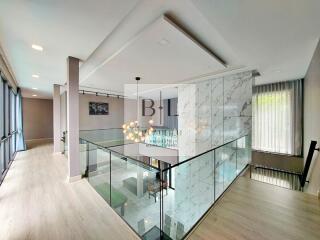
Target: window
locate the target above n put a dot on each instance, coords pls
(277, 118)
(11, 133)
(2, 167)
(12, 124)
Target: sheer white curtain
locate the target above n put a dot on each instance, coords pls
(20, 143)
(277, 117)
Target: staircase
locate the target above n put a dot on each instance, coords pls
(282, 178)
(276, 177)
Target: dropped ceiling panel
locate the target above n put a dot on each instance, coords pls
(160, 53)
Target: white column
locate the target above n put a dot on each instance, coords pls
(56, 118)
(73, 119)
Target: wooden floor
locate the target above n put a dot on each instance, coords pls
(255, 210)
(37, 202)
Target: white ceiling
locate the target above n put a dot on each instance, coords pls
(151, 91)
(275, 37)
(161, 54)
(63, 28)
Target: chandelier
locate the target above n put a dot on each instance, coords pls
(132, 130)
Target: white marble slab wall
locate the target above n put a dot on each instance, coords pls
(211, 113)
(187, 120)
(214, 112)
(203, 116)
(237, 105)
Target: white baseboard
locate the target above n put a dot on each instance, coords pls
(74, 178)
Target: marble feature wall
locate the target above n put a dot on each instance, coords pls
(187, 120)
(237, 105)
(215, 111)
(211, 113)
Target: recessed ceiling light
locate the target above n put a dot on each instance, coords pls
(37, 47)
(34, 88)
(34, 95)
(163, 41)
(35, 76)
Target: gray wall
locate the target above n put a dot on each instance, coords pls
(37, 118)
(63, 112)
(284, 162)
(312, 117)
(113, 120)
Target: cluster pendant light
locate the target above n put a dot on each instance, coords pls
(132, 130)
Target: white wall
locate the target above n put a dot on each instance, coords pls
(113, 120)
(312, 118)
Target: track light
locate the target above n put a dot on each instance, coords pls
(83, 92)
(96, 93)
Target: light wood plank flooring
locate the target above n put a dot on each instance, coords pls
(37, 202)
(255, 210)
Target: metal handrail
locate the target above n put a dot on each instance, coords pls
(276, 170)
(302, 175)
(115, 152)
(203, 153)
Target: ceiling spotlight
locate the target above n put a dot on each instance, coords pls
(37, 47)
(163, 41)
(34, 88)
(35, 76)
(96, 94)
(34, 95)
(82, 91)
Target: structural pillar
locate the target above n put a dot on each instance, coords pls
(56, 118)
(73, 119)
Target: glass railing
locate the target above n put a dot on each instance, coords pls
(64, 142)
(104, 137)
(167, 138)
(125, 184)
(167, 201)
(199, 182)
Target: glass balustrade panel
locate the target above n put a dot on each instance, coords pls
(192, 195)
(135, 195)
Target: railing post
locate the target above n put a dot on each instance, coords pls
(110, 177)
(86, 174)
(64, 142)
(161, 204)
(237, 158)
(214, 175)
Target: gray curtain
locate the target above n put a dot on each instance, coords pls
(20, 143)
(277, 117)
